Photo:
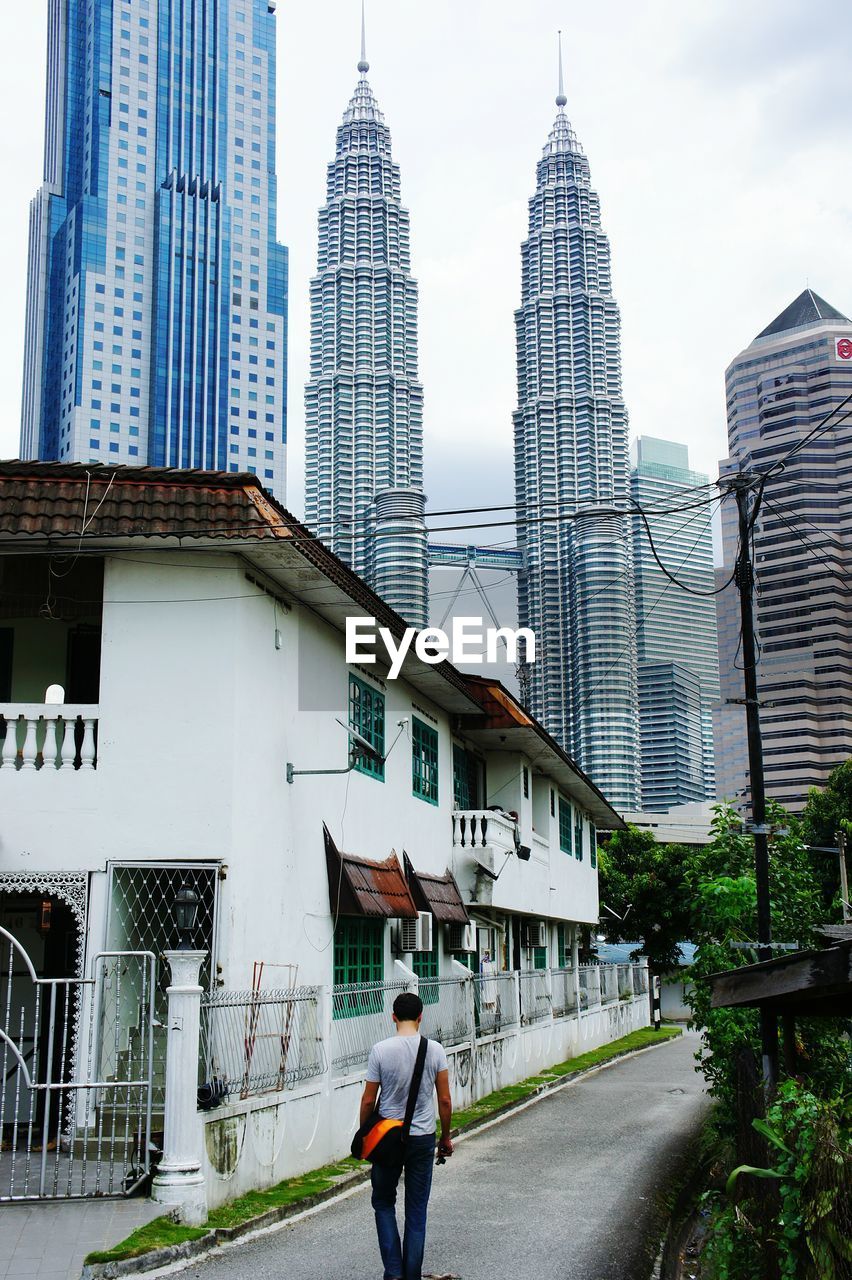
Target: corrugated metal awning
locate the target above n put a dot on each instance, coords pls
(438, 894)
(359, 887)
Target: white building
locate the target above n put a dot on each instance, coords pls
(199, 740)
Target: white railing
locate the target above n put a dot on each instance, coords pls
(40, 736)
(447, 1009)
(590, 986)
(361, 1015)
(495, 1002)
(258, 1041)
(535, 995)
(564, 992)
(476, 828)
(462, 1010)
(609, 983)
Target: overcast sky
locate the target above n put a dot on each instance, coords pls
(718, 137)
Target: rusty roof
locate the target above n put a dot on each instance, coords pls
(438, 894)
(358, 887)
(73, 500)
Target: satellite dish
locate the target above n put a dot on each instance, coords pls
(365, 747)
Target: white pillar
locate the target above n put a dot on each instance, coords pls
(179, 1182)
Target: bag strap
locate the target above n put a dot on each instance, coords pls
(414, 1089)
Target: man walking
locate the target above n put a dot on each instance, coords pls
(391, 1067)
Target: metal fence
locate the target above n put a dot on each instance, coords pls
(447, 1009)
(590, 986)
(535, 996)
(495, 1003)
(258, 1041)
(361, 1015)
(564, 992)
(625, 982)
(609, 983)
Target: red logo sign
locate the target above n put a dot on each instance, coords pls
(844, 348)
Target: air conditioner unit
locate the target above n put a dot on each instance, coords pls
(461, 937)
(416, 935)
(534, 933)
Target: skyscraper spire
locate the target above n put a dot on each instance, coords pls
(561, 100)
(571, 455)
(363, 65)
(363, 401)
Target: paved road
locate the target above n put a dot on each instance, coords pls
(565, 1190)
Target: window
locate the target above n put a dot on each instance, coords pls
(564, 826)
(539, 957)
(578, 835)
(462, 790)
(526, 778)
(367, 717)
(359, 955)
(425, 965)
(593, 844)
(552, 803)
(424, 761)
(563, 947)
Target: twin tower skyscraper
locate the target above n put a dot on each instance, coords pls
(156, 333)
(364, 423)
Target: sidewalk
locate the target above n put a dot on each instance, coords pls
(50, 1241)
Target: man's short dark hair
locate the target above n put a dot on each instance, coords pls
(407, 1007)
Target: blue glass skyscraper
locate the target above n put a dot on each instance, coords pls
(156, 327)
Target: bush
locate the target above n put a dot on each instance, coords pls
(792, 1218)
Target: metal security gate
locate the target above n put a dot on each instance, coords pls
(77, 1062)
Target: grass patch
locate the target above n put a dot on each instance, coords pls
(154, 1235)
(163, 1231)
(526, 1088)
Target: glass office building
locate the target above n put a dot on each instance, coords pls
(156, 324)
(676, 629)
(571, 456)
(364, 400)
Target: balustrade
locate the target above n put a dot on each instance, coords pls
(45, 736)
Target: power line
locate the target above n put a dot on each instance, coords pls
(823, 425)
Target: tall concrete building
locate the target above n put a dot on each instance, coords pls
(364, 401)
(778, 390)
(571, 455)
(156, 326)
(676, 629)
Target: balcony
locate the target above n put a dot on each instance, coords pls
(43, 736)
(483, 840)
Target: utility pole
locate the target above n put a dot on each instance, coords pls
(744, 577)
(840, 837)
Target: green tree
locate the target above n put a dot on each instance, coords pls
(644, 884)
(825, 813)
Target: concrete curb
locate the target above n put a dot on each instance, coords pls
(171, 1256)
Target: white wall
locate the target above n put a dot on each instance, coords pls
(199, 714)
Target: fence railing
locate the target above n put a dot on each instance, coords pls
(360, 1015)
(563, 985)
(447, 1009)
(609, 983)
(495, 1003)
(258, 1041)
(535, 996)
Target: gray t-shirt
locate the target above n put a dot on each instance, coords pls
(391, 1064)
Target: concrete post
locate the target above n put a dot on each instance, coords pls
(179, 1182)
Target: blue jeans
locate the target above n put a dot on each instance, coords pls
(404, 1263)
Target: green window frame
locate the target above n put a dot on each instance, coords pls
(539, 957)
(563, 948)
(565, 826)
(578, 835)
(359, 956)
(461, 778)
(367, 717)
(426, 965)
(424, 761)
(593, 844)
